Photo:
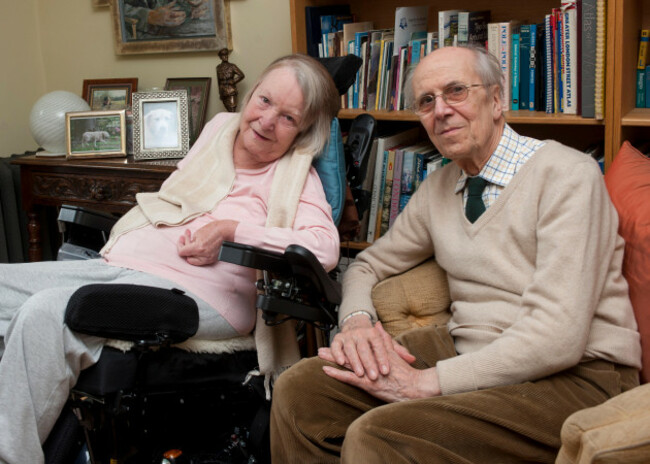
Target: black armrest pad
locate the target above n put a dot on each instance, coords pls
(132, 312)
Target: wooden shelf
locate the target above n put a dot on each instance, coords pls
(637, 117)
(513, 117)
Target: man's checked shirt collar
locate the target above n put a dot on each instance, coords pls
(510, 155)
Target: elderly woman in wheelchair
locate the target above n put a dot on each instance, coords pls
(248, 178)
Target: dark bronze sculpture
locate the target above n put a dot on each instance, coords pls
(228, 75)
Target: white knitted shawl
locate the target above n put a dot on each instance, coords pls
(196, 189)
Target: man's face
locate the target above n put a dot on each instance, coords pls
(466, 132)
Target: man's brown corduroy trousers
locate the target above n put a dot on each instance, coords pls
(316, 419)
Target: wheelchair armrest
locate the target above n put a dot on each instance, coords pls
(298, 287)
(137, 313)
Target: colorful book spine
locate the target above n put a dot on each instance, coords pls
(643, 49)
(397, 186)
(599, 84)
(447, 27)
(359, 39)
(506, 29)
(640, 88)
(387, 193)
(524, 50)
(647, 87)
(514, 98)
(570, 52)
(548, 59)
(532, 68)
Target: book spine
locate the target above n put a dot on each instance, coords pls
(377, 185)
(647, 87)
(397, 186)
(387, 193)
(524, 92)
(643, 49)
(570, 52)
(599, 83)
(515, 72)
(477, 27)
(640, 88)
(493, 39)
(504, 61)
(532, 68)
(557, 68)
(588, 58)
(548, 59)
(463, 27)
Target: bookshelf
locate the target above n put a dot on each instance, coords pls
(628, 122)
(575, 131)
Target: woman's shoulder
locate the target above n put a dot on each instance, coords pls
(218, 120)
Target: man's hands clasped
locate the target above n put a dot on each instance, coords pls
(376, 363)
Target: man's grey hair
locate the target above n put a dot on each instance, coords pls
(486, 66)
(321, 99)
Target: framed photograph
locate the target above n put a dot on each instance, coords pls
(109, 94)
(198, 91)
(160, 124)
(164, 26)
(95, 134)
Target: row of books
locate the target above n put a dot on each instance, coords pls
(397, 164)
(643, 71)
(556, 66)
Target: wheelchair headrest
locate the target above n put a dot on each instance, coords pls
(330, 166)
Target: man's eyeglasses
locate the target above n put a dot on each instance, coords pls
(452, 95)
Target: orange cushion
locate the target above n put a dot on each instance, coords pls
(628, 183)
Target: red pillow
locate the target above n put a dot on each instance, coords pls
(628, 183)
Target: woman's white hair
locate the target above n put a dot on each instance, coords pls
(321, 99)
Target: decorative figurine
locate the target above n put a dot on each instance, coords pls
(228, 75)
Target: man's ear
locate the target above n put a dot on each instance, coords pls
(496, 101)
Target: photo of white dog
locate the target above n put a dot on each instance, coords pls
(94, 137)
(160, 125)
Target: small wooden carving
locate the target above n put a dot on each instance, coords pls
(228, 75)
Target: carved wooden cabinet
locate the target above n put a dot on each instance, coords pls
(108, 185)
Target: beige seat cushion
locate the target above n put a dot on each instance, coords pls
(418, 297)
(617, 431)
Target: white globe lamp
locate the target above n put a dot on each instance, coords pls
(47, 120)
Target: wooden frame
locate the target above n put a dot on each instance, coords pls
(198, 90)
(100, 3)
(160, 124)
(133, 34)
(95, 134)
(118, 92)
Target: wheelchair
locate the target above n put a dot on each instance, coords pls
(158, 400)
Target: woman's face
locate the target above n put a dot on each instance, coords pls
(270, 121)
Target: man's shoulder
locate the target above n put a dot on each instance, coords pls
(557, 156)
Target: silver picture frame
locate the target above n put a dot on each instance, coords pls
(161, 126)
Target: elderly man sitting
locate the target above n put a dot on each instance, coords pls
(541, 322)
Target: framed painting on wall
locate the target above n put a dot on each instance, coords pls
(163, 26)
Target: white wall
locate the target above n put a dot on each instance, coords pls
(55, 45)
